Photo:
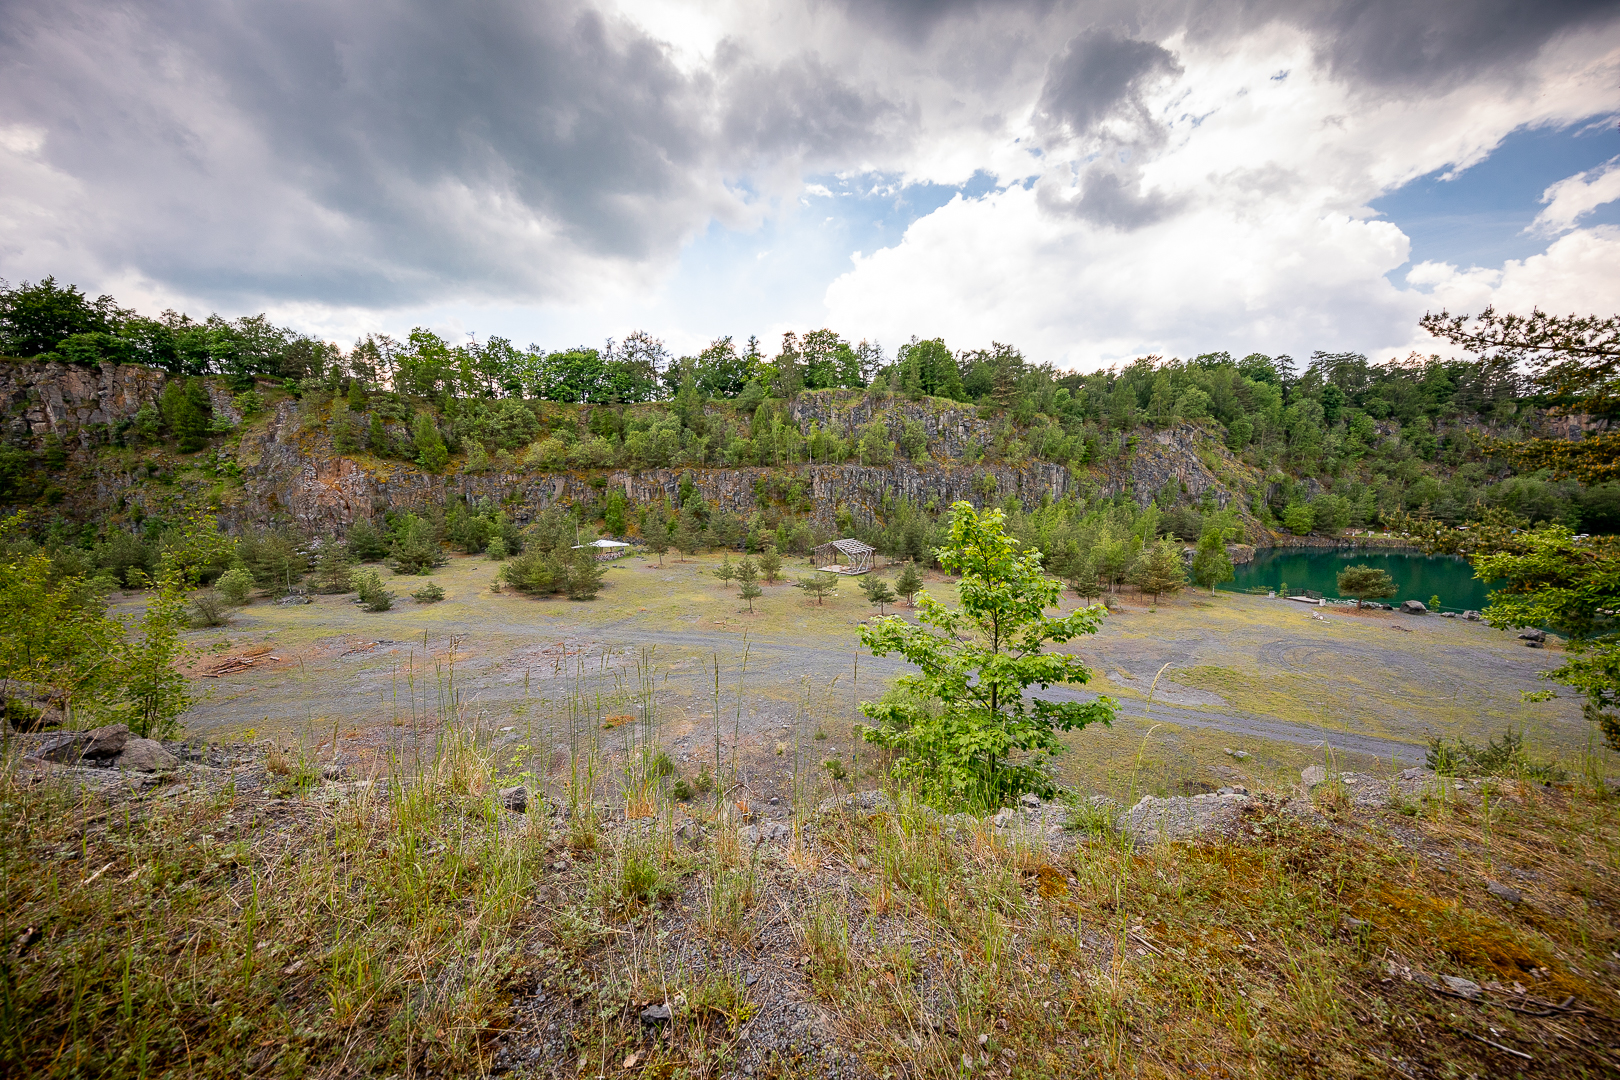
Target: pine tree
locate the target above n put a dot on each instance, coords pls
(1211, 565)
(877, 591)
(908, 582)
(770, 564)
(817, 585)
(747, 582)
(1159, 570)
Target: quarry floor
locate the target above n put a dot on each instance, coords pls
(1213, 689)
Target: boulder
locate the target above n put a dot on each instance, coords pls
(64, 749)
(1181, 817)
(1413, 607)
(106, 742)
(514, 798)
(1534, 636)
(145, 755)
(1472, 616)
(1504, 893)
(1312, 775)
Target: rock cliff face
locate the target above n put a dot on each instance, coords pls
(290, 473)
(69, 401)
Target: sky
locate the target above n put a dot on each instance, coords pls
(1091, 182)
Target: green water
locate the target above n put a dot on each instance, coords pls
(1417, 577)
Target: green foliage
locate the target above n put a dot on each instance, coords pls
(962, 722)
(1211, 564)
(908, 582)
(819, 585)
(186, 412)
(431, 593)
(725, 571)
(275, 558)
(431, 453)
(369, 587)
(235, 585)
(747, 577)
(496, 549)
(208, 608)
(334, 569)
(1299, 518)
(1159, 570)
(1364, 583)
(1504, 757)
(365, 541)
(770, 565)
(877, 591)
(414, 549)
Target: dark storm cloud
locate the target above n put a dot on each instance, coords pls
(405, 144)
(1101, 75)
(1403, 43)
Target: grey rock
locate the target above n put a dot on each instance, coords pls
(1467, 988)
(690, 832)
(1448, 614)
(64, 749)
(1352, 924)
(1004, 817)
(1312, 775)
(1534, 635)
(1239, 755)
(106, 742)
(1414, 774)
(656, 1015)
(1181, 818)
(1472, 616)
(515, 798)
(293, 600)
(775, 830)
(145, 755)
(1030, 800)
(1414, 607)
(1504, 893)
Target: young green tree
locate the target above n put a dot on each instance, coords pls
(1365, 583)
(770, 564)
(658, 541)
(963, 721)
(613, 515)
(908, 582)
(333, 571)
(365, 541)
(1159, 570)
(414, 549)
(1211, 564)
(585, 576)
(369, 587)
(431, 453)
(725, 571)
(877, 591)
(748, 582)
(818, 585)
(235, 585)
(687, 535)
(1084, 579)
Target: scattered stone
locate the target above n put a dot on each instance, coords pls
(1312, 775)
(658, 1015)
(1240, 755)
(1353, 925)
(1414, 607)
(1448, 614)
(750, 835)
(1181, 818)
(1004, 817)
(1414, 774)
(1473, 616)
(1467, 988)
(515, 798)
(690, 832)
(106, 742)
(1029, 801)
(1534, 638)
(776, 830)
(295, 598)
(145, 755)
(1504, 893)
(63, 749)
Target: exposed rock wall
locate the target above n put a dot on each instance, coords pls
(68, 401)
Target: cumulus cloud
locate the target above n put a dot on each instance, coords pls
(1573, 198)
(1166, 177)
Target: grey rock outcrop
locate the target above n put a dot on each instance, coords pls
(1414, 607)
(145, 755)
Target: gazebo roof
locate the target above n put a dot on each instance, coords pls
(852, 547)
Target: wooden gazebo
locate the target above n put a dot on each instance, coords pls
(859, 555)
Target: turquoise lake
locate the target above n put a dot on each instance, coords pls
(1418, 577)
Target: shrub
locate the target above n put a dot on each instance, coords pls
(1299, 518)
(431, 593)
(208, 608)
(236, 586)
(368, 584)
(333, 573)
(496, 549)
(414, 550)
(366, 542)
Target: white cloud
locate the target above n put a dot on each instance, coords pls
(1579, 273)
(1573, 198)
(1259, 235)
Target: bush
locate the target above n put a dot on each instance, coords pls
(1503, 757)
(333, 573)
(414, 550)
(368, 584)
(1299, 518)
(366, 542)
(208, 608)
(431, 593)
(236, 586)
(496, 549)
